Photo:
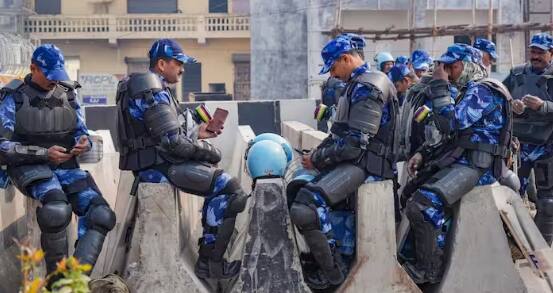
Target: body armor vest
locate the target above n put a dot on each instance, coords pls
(137, 146)
(366, 118)
(533, 127)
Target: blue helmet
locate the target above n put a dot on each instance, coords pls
(288, 150)
(266, 159)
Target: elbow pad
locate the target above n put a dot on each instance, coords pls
(18, 154)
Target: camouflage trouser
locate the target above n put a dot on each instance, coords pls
(61, 180)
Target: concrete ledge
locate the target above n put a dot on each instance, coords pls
(159, 266)
(376, 268)
(480, 258)
(270, 259)
(292, 131)
(312, 138)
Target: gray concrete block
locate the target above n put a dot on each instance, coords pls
(480, 258)
(159, 265)
(376, 268)
(270, 262)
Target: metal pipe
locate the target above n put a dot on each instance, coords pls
(490, 19)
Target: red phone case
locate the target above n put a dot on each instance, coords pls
(218, 120)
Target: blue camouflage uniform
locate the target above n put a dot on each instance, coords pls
(59, 187)
(535, 154)
(421, 61)
(322, 209)
(486, 46)
(479, 117)
(214, 204)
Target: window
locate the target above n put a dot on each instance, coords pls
(148, 6)
(191, 79)
(218, 6)
(48, 6)
(217, 88)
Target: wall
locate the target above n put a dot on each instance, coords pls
(100, 57)
(279, 49)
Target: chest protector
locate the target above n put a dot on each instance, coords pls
(365, 117)
(137, 146)
(45, 118)
(534, 127)
(499, 151)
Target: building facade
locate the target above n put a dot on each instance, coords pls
(104, 40)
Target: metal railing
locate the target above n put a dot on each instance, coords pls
(133, 26)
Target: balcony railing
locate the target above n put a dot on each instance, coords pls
(137, 26)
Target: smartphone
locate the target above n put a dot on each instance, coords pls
(216, 124)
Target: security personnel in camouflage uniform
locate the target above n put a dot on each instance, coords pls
(43, 133)
(532, 88)
(489, 53)
(476, 141)
(159, 142)
(358, 149)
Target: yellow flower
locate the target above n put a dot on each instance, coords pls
(72, 263)
(35, 286)
(38, 256)
(85, 268)
(62, 267)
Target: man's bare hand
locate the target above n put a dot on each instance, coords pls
(58, 155)
(518, 107)
(82, 146)
(440, 72)
(532, 102)
(306, 162)
(203, 133)
(414, 164)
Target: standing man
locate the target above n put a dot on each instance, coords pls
(489, 53)
(359, 148)
(532, 88)
(160, 142)
(477, 136)
(43, 133)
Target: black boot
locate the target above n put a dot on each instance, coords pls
(207, 268)
(211, 264)
(329, 261)
(89, 247)
(429, 264)
(55, 247)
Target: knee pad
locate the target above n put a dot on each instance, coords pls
(55, 213)
(100, 216)
(304, 216)
(236, 204)
(545, 206)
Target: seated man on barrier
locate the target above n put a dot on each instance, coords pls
(160, 142)
(473, 152)
(358, 149)
(43, 133)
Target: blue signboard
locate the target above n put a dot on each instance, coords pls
(95, 100)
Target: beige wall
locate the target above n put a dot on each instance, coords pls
(100, 57)
(118, 7)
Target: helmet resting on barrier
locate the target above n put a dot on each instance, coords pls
(266, 158)
(288, 150)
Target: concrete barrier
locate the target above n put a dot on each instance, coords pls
(480, 257)
(376, 268)
(292, 131)
(270, 258)
(155, 263)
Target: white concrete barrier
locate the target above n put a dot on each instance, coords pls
(292, 131)
(376, 268)
(156, 262)
(479, 254)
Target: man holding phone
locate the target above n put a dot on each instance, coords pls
(160, 142)
(42, 134)
(532, 88)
